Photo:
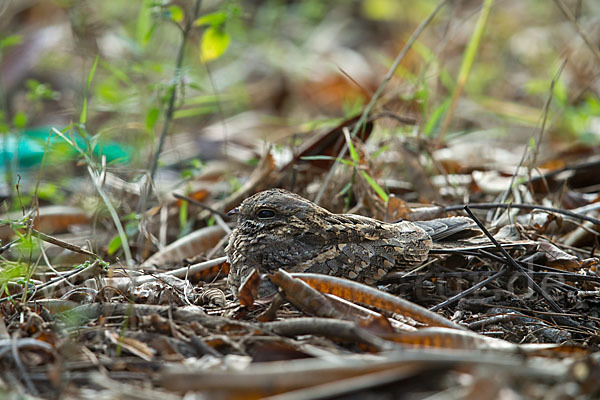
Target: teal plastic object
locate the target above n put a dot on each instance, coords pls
(30, 144)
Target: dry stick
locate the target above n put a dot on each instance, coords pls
(54, 282)
(171, 105)
(60, 243)
(545, 118)
(21, 367)
(470, 290)
(487, 206)
(328, 327)
(515, 264)
(199, 204)
(580, 31)
(388, 76)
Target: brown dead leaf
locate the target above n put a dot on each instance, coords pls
(367, 295)
(249, 288)
(558, 258)
(327, 144)
(300, 294)
(197, 242)
(397, 209)
(198, 195)
(133, 346)
(50, 219)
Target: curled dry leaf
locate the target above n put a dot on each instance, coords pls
(396, 209)
(213, 296)
(249, 288)
(49, 219)
(303, 296)
(133, 346)
(309, 300)
(357, 292)
(197, 242)
(558, 258)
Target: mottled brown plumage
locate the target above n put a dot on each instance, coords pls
(279, 229)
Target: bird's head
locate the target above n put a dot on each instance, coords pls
(273, 208)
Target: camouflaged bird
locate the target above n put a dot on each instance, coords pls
(279, 229)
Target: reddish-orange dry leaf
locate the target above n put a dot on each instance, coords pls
(210, 272)
(300, 294)
(397, 209)
(198, 195)
(309, 300)
(370, 296)
(451, 339)
(249, 288)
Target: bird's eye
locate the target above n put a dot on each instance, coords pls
(265, 213)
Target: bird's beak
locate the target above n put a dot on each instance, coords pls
(232, 212)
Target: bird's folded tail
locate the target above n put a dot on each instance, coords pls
(449, 228)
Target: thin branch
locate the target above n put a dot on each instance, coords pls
(171, 104)
(487, 206)
(593, 48)
(513, 263)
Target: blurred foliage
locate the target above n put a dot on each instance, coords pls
(302, 64)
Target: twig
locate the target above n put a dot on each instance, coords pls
(540, 137)
(487, 206)
(199, 204)
(171, 105)
(515, 264)
(54, 282)
(470, 290)
(584, 36)
(328, 327)
(60, 243)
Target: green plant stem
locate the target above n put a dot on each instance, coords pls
(467, 63)
(170, 106)
(113, 213)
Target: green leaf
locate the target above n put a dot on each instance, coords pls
(176, 13)
(83, 116)
(114, 245)
(379, 151)
(145, 26)
(9, 41)
(183, 214)
(215, 19)
(351, 149)
(331, 158)
(378, 189)
(151, 118)
(20, 120)
(436, 117)
(214, 43)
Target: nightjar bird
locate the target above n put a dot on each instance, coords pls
(279, 229)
